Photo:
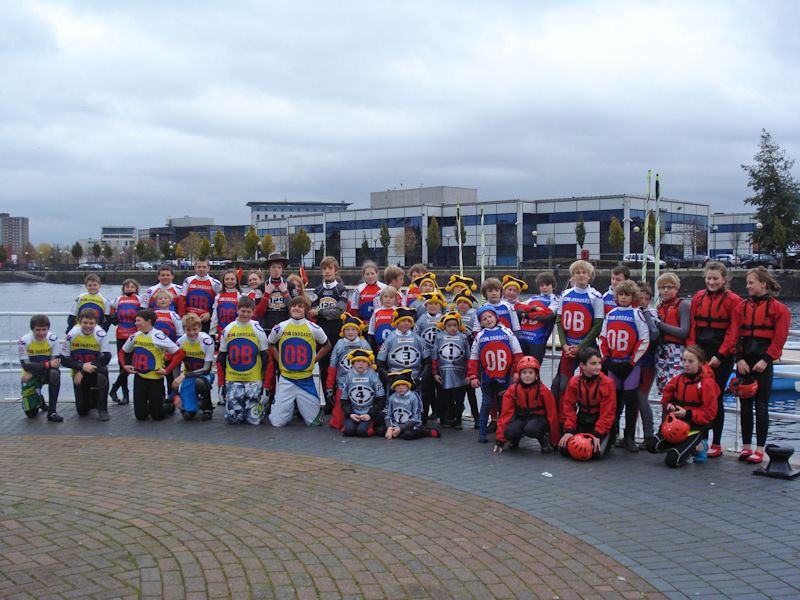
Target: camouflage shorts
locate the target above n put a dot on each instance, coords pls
(243, 402)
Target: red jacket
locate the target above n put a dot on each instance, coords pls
(534, 399)
(713, 314)
(697, 394)
(594, 397)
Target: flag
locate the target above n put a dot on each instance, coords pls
(303, 276)
(239, 275)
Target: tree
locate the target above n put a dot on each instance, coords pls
(76, 251)
(616, 237)
(28, 254)
(780, 236)
(141, 249)
(166, 249)
(108, 252)
(220, 243)
(433, 239)
(179, 251)
(251, 243)
(405, 242)
(267, 245)
(191, 245)
(321, 249)
(386, 239)
(580, 232)
(204, 250)
(364, 248)
(96, 250)
(3, 255)
(651, 229)
(775, 196)
(301, 243)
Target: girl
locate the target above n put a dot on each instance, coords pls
(675, 319)
(691, 397)
(254, 280)
(224, 311)
(712, 329)
(363, 297)
(763, 325)
(123, 311)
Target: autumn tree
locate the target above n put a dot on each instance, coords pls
(251, 243)
(76, 251)
(191, 245)
(301, 243)
(204, 250)
(433, 239)
(267, 245)
(220, 243)
(580, 232)
(385, 239)
(616, 236)
(3, 255)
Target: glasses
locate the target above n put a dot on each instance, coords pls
(666, 287)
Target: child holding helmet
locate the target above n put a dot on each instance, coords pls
(690, 405)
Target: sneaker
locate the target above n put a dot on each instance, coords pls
(102, 415)
(745, 454)
(755, 458)
(513, 445)
(206, 416)
(701, 455)
(112, 393)
(714, 451)
(54, 417)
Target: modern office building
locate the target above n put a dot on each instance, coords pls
(178, 228)
(264, 211)
(13, 232)
(731, 233)
(118, 237)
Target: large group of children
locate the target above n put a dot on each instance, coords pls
(395, 361)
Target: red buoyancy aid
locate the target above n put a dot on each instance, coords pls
(669, 313)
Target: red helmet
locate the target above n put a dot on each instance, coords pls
(581, 446)
(674, 430)
(746, 387)
(527, 362)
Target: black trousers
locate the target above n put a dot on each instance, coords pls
(535, 427)
(761, 403)
(148, 398)
(92, 392)
(677, 454)
(451, 404)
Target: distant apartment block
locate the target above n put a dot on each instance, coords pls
(13, 232)
(118, 237)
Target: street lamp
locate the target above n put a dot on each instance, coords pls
(759, 227)
(447, 253)
(714, 230)
(534, 233)
(375, 247)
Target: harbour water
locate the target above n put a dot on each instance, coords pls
(51, 298)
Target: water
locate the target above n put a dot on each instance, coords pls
(49, 298)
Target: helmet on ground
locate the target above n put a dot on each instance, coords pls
(744, 387)
(527, 362)
(581, 446)
(674, 430)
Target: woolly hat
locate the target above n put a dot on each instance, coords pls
(511, 280)
(455, 280)
(424, 277)
(451, 316)
(401, 377)
(360, 354)
(351, 321)
(402, 312)
(433, 297)
(466, 296)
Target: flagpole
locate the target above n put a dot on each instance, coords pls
(646, 228)
(657, 268)
(483, 248)
(460, 241)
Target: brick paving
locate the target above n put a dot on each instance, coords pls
(175, 509)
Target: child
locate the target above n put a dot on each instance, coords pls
(492, 291)
(362, 299)
(426, 284)
(273, 308)
(713, 329)
(414, 272)
(223, 313)
(394, 277)
(380, 323)
(350, 339)
(255, 281)
(144, 356)
(690, 396)
(465, 303)
(404, 410)
(492, 363)
(167, 320)
(298, 284)
(426, 327)
(528, 409)
(579, 317)
(363, 397)
(329, 304)
(194, 383)
(91, 298)
(537, 317)
(674, 322)
(243, 357)
(296, 345)
(124, 310)
(449, 365)
(199, 291)
(87, 353)
(624, 339)
(403, 348)
(512, 288)
(589, 404)
(647, 365)
(618, 275)
(763, 325)
(458, 283)
(165, 277)
(39, 353)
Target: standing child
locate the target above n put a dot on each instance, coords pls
(87, 353)
(169, 322)
(199, 291)
(618, 275)
(674, 322)
(414, 272)
(425, 284)
(165, 283)
(255, 281)
(91, 298)
(144, 356)
(296, 345)
(363, 297)
(243, 356)
(404, 410)
(403, 349)
(39, 353)
(492, 291)
(465, 304)
(512, 288)
(589, 404)
(363, 397)
(194, 383)
(380, 323)
(537, 318)
(426, 327)
(647, 365)
(458, 283)
(273, 308)
(223, 312)
(395, 277)
(492, 364)
(124, 310)
(350, 339)
(449, 365)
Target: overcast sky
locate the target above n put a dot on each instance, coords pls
(117, 112)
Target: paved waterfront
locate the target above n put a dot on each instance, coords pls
(174, 509)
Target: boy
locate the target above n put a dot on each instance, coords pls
(458, 283)
(492, 291)
(414, 272)
(199, 291)
(329, 304)
(648, 362)
(589, 404)
(144, 356)
(91, 298)
(194, 383)
(425, 284)
(492, 363)
(512, 288)
(336, 375)
(363, 397)
(39, 356)
(86, 351)
(296, 345)
(579, 317)
(394, 277)
(403, 349)
(277, 292)
(618, 275)
(465, 303)
(426, 327)
(380, 323)
(449, 366)
(528, 409)
(537, 318)
(165, 277)
(404, 410)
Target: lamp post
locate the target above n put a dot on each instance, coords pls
(759, 227)
(534, 233)
(714, 230)
(375, 248)
(447, 252)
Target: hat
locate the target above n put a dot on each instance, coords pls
(451, 316)
(433, 297)
(351, 321)
(277, 257)
(466, 296)
(401, 377)
(424, 277)
(455, 280)
(484, 308)
(359, 354)
(401, 312)
(511, 280)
